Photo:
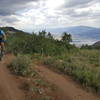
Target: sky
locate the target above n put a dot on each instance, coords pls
(30, 15)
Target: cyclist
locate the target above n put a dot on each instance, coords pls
(2, 40)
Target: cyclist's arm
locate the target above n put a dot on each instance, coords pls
(4, 35)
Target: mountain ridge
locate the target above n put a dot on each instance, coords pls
(80, 34)
(12, 30)
(96, 44)
(84, 34)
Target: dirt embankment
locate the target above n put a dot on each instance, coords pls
(67, 88)
(9, 87)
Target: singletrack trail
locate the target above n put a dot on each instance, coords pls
(8, 84)
(67, 88)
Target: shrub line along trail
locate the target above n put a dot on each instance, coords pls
(68, 90)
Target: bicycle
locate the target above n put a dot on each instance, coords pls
(1, 53)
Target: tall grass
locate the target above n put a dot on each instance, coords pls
(22, 65)
(83, 65)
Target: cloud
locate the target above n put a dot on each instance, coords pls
(10, 10)
(39, 14)
(75, 3)
(8, 7)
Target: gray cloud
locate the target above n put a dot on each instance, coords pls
(8, 7)
(10, 20)
(12, 12)
(78, 3)
(70, 7)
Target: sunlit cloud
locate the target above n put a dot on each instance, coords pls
(32, 15)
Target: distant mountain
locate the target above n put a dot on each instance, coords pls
(82, 34)
(85, 32)
(96, 44)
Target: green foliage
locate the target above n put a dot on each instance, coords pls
(84, 65)
(43, 43)
(21, 65)
(17, 43)
(42, 34)
(40, 82)
(49, 36)
(66, 37)
(89, 47)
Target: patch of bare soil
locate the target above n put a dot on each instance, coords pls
(67, 88)
(39, 88)
(8, 84)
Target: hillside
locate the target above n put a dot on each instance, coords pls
(97, 43)
(12, 30)
(80, 34)
(40, 58)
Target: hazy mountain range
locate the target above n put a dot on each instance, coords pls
(96, 44)
(80, 34)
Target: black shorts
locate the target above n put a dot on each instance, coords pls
(1, 40)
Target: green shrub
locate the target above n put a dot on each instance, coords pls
(40, 82)
(21, 65)
(84, 66)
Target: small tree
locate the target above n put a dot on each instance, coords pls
(49, 35)
(66, 38)
(43, 34)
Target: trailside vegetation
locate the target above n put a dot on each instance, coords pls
(42, 43)
(81, 63)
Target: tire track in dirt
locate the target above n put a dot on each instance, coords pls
(8, 85)
(67, 88)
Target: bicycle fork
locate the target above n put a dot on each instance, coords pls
(1, 53)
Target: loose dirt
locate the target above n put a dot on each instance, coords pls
(8, 84)
(67, 88)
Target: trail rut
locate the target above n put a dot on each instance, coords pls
(67, 88)
(8, 85)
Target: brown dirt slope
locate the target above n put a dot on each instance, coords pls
(67, 88)
(8, 84)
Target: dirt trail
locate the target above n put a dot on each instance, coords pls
(68, 90)
(8, 84)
